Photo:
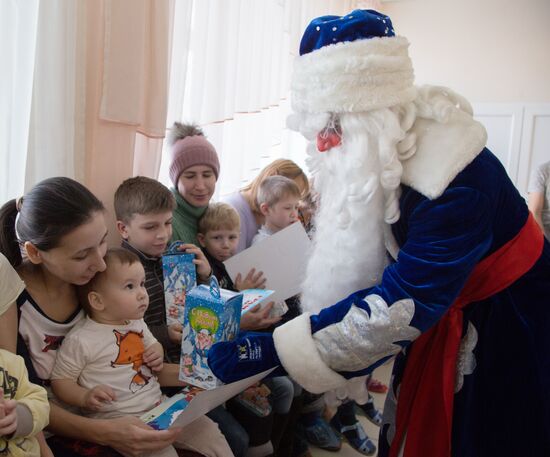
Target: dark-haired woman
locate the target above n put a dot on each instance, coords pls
(60, 227)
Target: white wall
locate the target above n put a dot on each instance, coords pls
(497, 54)
(488, 50)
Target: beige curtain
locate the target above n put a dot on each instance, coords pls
(127, 61)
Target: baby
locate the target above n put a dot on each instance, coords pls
(107, 363)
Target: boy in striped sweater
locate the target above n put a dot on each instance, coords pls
(143, 208)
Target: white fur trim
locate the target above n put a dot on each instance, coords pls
(299, 356)
(444, 149)
(353, 76)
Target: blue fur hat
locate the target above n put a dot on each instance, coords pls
(352, 63)
(357, 25)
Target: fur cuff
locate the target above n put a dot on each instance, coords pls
(300, 358)
(353, 77)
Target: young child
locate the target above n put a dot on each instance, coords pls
(107, 362)
(278, 199)
(24, 408)
(143, 209)
(218, 235)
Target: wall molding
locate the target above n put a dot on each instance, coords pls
(518, 134)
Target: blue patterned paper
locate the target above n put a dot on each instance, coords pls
(180, 277)
(164, 415)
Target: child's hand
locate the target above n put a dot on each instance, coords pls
(252, 280)
(174, 332)
(258, 318)
(204, 270)
(8, 416)
(153, 357)
(96, 398)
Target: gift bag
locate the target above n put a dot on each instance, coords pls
(180, 277)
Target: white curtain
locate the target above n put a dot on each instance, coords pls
(18, 24)
(41, 92)
(57, 125)
(231, 70)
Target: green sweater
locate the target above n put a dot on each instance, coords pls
(185, 220)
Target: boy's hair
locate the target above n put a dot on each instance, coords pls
(142, 195)
(120, 255)
(279, 167)
(275, 188)
(219, 216)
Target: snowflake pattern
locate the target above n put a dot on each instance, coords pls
(466, 359)
(360, 340)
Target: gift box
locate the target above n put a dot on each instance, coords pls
(209, 317)
(180, 277)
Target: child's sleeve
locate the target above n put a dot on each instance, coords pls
(33, 408)
(71, 359)
(10, 284)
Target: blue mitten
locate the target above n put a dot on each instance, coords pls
(249, 354)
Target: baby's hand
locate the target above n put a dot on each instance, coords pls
(252, 280)
(8, 416)
(153, 357)
(174, 332)
(96, 398)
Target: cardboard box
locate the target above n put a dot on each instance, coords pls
(209, 318)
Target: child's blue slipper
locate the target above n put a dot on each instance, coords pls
(356, 437)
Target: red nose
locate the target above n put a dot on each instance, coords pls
(328, 140)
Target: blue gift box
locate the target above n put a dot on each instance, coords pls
(210, 317)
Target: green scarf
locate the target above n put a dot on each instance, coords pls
(186, 219)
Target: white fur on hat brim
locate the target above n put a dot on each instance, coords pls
(353, 76)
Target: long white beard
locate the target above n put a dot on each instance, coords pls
(348, 252)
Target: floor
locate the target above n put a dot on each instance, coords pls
(383, 374)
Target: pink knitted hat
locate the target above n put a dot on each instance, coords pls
(190, 147)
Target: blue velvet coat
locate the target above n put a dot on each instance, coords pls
(503, 405)
(502, 387)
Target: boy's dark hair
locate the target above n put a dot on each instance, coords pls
(49, 211)
(219, 216)
(274, 188)
(120, 255)
(142, 195)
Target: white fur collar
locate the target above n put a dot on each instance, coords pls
(443, 151)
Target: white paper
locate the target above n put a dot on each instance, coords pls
(282, 257)
(203, 401)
